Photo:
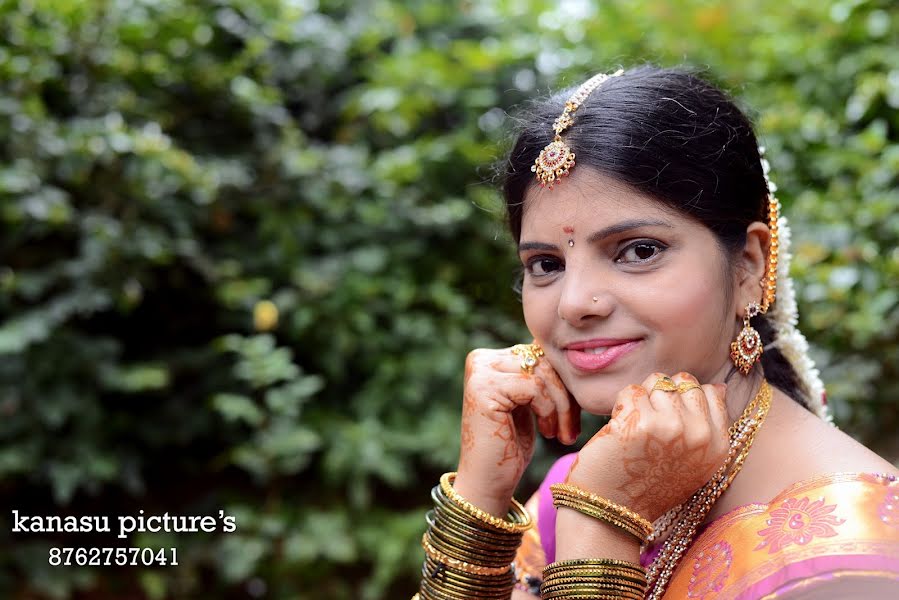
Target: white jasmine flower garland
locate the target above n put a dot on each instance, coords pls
(784, 316)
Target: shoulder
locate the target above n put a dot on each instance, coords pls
(834, 450)
(817, 447)
(795, 445)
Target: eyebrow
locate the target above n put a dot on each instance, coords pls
(601, 234)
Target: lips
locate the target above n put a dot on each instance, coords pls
(587, 361)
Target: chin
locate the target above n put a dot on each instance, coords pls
(597, 398)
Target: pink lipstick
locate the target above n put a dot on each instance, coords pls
(587, 361)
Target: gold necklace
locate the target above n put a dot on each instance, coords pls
(688, 516)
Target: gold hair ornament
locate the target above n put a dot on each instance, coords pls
(770, 282)
(556, 159)
(747, 349)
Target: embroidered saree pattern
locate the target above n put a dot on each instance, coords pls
(837, 525)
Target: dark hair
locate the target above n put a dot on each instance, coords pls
(670, 135)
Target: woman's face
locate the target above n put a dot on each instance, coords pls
(658, 278)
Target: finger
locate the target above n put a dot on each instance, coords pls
(548, 425)
(716, 400)
(630, 404)
(568, 421)
(693, 399)
(666, 402)
(521, 390)
(506, 362)
(575, 420)
(567, 410)
(629, 399)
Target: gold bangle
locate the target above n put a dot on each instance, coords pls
(600, 515)
(464, 551)
(591, 593)
(457, 539)
(548, 592)
(439, 578)
(579, 580)
(522, 524)
(466, 555)
(460, 565)
(640, 522)
(589, 574)
(456, 513)
(439, 582)
(448, 517)
(603, 503)
(592, 563)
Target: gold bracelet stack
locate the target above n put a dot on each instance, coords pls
(468, 552)
(593, 578)
(570, 496)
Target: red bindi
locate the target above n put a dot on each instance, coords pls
(568, 229)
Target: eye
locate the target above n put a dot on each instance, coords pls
(640, 251)
(541, 266)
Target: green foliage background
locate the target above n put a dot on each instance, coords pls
(168, 166)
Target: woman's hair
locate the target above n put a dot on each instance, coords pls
(671, 136)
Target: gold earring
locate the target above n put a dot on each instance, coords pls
(747, 349)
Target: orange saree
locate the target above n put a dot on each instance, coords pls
(840, 526)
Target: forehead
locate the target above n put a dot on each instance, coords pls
(588, 199)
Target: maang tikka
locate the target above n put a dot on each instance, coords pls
(556, 159)
(747, 349)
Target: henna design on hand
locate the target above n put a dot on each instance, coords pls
(629, 425)
(468, 413)
(516, 431)
(648, 484)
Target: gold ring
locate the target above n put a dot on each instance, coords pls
(686, 386)
(530, 353)
(665, 384)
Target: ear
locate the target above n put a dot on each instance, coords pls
(751, 267)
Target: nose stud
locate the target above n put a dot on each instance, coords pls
(595, 299)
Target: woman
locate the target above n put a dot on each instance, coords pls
(655, 287)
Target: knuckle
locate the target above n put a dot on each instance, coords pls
(699, 437)
(640, 428)
(665, 430)
(667, 434)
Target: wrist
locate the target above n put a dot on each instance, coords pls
(475, 491)
(581, 536)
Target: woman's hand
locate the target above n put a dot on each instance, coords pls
(498, 427)
(659, 447)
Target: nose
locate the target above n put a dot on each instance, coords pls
(584, 298)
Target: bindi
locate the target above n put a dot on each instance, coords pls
(569, 230)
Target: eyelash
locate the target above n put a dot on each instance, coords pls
(635, 244)
(662, 247)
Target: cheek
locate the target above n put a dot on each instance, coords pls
(687, 308)
(537, 307)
